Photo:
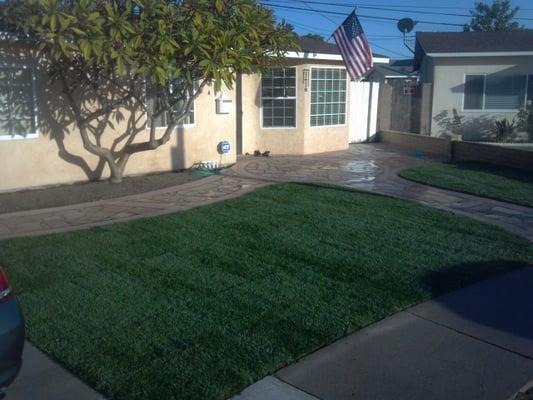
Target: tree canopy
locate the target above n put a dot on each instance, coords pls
(496, 17)
(111, 48)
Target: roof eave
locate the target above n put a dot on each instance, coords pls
(480, 54)
(307, 55)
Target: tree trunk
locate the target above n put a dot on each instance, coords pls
(115, 174)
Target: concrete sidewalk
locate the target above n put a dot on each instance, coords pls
(42, 379)
(476, 343)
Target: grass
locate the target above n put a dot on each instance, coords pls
(199, 304)
(485, 180)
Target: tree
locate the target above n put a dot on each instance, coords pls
(314, 36)
(105, 53)
(493, 18)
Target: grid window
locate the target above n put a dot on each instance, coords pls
(278, 98)
(17, 103)
(328, 96)
(161, 120)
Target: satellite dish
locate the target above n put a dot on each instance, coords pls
(406, 25)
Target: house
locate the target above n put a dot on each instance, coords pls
(302, 108)
(484, 76)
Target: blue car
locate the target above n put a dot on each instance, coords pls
(11, 335)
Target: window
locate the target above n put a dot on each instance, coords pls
(328, 96)
(17, 103)
(474, 88)
(505, 92)
(495, 92)
(278, 98)
(161, 120)
(530, 90)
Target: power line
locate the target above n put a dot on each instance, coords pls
(383, 8)
(358, 15)
(323, 15)
(396, 6)
(390, 51)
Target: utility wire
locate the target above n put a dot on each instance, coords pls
(383, 8)
(396, 6)
(358, 15)
(323, 15)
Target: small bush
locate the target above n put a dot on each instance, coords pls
(504, 130)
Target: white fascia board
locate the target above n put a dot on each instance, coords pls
(482, 54)
(325, 56)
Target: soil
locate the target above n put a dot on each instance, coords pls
(57, 196)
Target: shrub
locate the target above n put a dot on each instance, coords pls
(504, 130)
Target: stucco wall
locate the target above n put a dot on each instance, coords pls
(449, 75)
(302, 139)
(57, 155)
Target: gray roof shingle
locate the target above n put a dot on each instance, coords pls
(473, 42)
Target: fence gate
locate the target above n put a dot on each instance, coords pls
(363, 110)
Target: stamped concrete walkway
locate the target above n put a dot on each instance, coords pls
(375, 167)
(372, 167)
(80, 216)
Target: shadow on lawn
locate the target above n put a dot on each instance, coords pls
(505, 172)
(502, 303)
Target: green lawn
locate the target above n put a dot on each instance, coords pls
(199, 304)
(486, 180)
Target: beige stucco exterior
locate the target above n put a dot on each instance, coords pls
(57, 156)
(302, 139)
(448, 77)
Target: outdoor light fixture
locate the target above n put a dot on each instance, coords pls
(306, 80)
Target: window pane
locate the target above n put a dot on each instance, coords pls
(474, 85)
(505, 92)
(17, 104)
(530, 91)
(278, 92)
(328, 96)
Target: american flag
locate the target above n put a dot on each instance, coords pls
(354, 47)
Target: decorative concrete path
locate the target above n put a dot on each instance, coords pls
(447, 348)
(372, 167)
(80, 216)
(375, 167)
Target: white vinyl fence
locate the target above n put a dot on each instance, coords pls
(363, 111)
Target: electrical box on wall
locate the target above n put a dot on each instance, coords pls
(224, 104)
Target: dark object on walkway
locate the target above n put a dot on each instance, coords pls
(11, 335)
(257, 153)
(266, 153)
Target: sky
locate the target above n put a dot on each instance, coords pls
(324, 16)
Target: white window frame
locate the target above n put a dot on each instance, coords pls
(295, 98)
(179, 125)
(494, 110)
(345, 100)
(30, 135)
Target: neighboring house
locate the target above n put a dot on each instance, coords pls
(485, 76)
(395, 70)
(299, 109)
